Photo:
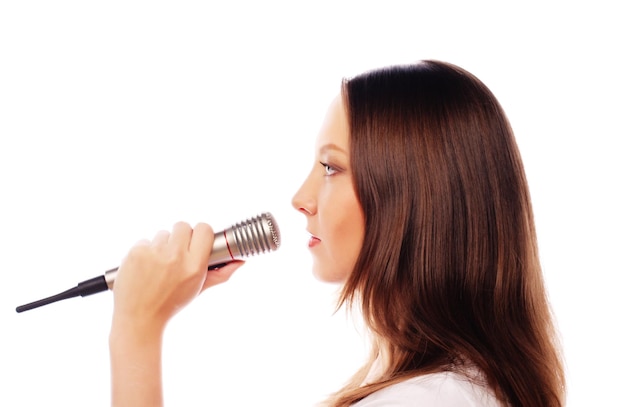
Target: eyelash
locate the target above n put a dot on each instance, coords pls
(329, 169)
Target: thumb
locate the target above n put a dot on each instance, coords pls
(221, 275)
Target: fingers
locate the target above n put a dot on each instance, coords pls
(201, 244)
(143, 242)
(181, 235)
(221, 275)
(185, 249)
(184, 245)
(160, 238)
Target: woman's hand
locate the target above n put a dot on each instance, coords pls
(160, 277)
(156, 280)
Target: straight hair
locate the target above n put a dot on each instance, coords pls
(448, 277)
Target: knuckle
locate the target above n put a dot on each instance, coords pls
(203, 228)
(182, 225)
(175, 255)
(138, 251)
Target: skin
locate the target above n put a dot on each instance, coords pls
(159, 277)
(156, 280)
(328, 200)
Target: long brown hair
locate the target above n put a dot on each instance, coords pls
(449, 273)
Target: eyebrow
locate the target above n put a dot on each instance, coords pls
(331, 146)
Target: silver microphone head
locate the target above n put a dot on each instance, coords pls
(251, 237)
(244, 239)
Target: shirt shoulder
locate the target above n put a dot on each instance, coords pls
(445, 389)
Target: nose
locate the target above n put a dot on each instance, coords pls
(304, 200)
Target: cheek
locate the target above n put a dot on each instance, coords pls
(352, 232)
(348, 230)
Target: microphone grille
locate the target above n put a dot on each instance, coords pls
(257, 235)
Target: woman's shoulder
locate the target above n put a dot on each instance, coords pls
(444, 389)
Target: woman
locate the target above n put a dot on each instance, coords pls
(418, 205)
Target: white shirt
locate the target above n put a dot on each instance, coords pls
(445, 389)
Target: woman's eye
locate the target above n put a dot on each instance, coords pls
(328, 169)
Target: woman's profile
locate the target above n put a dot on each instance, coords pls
(418, 206)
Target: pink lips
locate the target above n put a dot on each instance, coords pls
(313, 241)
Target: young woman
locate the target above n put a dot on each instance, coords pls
(418, 205)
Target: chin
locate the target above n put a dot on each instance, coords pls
(328, 276)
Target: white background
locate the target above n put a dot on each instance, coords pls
(119, 118)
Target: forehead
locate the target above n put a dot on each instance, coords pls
(335, 128)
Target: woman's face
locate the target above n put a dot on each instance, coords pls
(327, 198)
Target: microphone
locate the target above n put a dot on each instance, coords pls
(253, 236)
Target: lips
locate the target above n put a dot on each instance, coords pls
(313, 241)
